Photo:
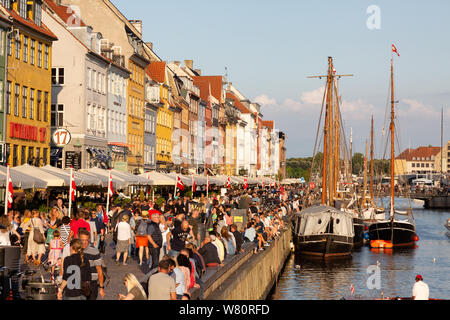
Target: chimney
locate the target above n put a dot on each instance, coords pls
(138, 25)
(150, 45)
(198, 71)
(189, 64)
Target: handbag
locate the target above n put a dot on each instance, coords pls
(38, 237)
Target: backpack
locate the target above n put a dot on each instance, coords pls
(142, 228)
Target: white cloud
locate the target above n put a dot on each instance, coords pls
(417, 109)
(265, 100)
(313, 97)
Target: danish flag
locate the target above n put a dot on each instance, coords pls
(110, 185)
(193, 184)
(207, 182)
(9, 192)
(180, 184)
(352, 289)
(228, 183)
(394, 49)
(73, 186)
(245, 184)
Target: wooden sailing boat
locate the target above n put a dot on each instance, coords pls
(370, 211)
(324, 231)
(393, 232)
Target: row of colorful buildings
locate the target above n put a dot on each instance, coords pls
(82, 67)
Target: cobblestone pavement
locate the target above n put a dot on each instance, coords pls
(114, 284)
(117, 272)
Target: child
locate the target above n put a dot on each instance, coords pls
(56, 247)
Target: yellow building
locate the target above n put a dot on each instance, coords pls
(136, 113)
(28, 86)
(164, 117)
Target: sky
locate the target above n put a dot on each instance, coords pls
(269, 48)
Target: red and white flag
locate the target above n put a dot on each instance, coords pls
(228, 183)
(9, 191)
(352, 289)
(282, 190)
(73, 186)
(394, 49)
(245, 184)
(193, 184)
(180, 184)
(110, 185)
(207, 182)
(263, 185)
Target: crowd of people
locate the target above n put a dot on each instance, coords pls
(177, 240)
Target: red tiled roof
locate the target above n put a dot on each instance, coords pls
(237, 103)
(64, 12)
(30, 24)
(157, 71)
(268, 124)
(419, 153)
(203, 82)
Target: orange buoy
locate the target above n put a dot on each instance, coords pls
(381, 244)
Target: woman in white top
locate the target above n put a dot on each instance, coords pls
(5, 229)
(34, 248)
(123, 239)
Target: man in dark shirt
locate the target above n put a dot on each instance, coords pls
(237, 237)
(209, 253)
(94, 258)
(179, 236)
(155, 239)
(194, 221)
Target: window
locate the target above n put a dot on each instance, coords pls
(39, 62)
(24, 102)
(8, 97)
(58, 76)
(38, 106)
(45, 107)
(413, 165)
(9, 45)
(23, 8)
(25, 49)
(23, 154)
(15, 156)
(94, 80)
(46, 54)
(89, 74)
(17, 42)
(16, 99)
(30, 155)
(31, 104)
(44, 155)
(37, 13)
(33, 52)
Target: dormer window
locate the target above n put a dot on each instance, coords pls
(37, 13)
(6, 4)
(23, 8)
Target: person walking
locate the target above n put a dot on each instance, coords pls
(154, 238)
(94, 260)
(420, 289)
(75, 266)
(123, 239)
(34, 248)
(141, 237)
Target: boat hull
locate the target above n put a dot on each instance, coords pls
(324, 246)
(358, 227)
(401, 233)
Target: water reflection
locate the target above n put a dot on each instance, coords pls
(308, 279)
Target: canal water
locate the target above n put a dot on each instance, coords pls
(304, 279)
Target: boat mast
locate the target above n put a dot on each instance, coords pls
(365, 179)
(336, 141)
(392, 128)
(371, 162)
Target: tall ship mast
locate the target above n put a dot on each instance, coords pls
(393, 232)
(322, 230)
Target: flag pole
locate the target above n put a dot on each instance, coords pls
(7, 190)
(175, 191)
(107, 192)
(70, 192)
(207, 185)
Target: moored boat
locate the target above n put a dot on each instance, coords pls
(323, 232)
